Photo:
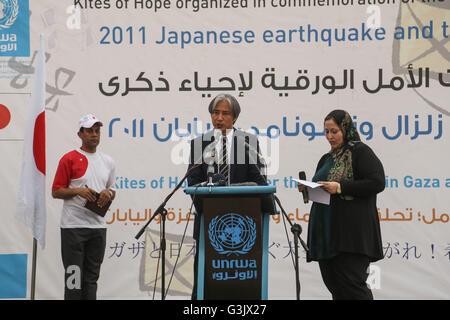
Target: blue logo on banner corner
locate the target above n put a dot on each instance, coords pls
(232, 234)
(14, 28)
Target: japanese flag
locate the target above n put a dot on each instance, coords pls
(31, 195)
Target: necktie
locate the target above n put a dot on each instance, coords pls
(223, 164)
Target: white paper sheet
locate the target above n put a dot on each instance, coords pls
(315, 193)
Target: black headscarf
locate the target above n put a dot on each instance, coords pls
(345, 123)
(342, 169)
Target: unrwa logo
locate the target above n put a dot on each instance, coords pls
(9, 10)
(232, 234)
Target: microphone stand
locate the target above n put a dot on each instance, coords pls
(296, 230)
(163, 212)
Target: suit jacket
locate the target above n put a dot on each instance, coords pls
(244, 166)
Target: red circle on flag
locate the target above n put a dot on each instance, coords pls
(39, 142)
(5, 116)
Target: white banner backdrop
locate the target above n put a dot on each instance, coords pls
(148, 70)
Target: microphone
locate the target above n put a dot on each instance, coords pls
(302, 176)
(209, 156)
(209, 152)
(216, 180)
(210, 174)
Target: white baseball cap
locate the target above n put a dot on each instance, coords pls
(89, 120)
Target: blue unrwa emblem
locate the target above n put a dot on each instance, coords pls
(232, 234)
(14, 28)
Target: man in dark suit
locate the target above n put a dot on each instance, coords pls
(240, 163)
(227, 154)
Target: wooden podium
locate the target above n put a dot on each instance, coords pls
(233, 244)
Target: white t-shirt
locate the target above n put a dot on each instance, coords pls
(79, 169)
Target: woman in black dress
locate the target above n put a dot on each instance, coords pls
(345, 237)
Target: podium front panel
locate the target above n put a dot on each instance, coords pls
(232, 231)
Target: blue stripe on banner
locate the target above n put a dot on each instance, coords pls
(13, 276)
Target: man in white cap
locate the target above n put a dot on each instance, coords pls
(84, 175)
